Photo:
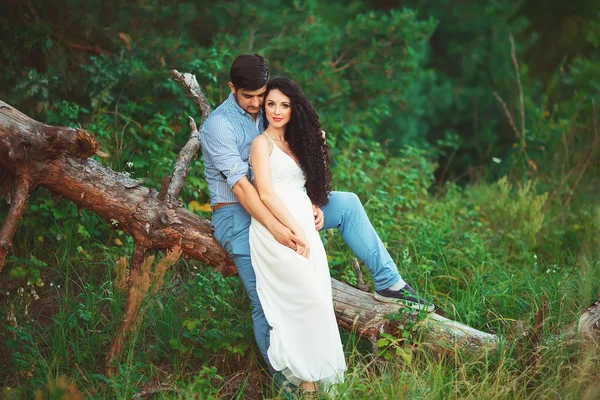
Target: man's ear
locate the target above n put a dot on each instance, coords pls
(231, 87)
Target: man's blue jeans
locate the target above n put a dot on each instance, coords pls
(344, 212)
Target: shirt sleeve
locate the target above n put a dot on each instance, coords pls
(219, 140)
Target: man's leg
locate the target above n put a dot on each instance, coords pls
(231, 225)
(346, 213)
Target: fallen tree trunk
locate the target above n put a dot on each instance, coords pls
(28, 154)
(357, 309)
(589, 322)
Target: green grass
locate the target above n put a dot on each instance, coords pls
(195, 339)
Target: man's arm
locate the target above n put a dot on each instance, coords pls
(248, 197)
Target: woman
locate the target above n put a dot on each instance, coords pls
(290, 163)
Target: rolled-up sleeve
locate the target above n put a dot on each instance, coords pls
(219, 142)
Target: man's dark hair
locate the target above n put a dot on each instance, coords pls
(249, 71)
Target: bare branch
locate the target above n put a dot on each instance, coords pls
(361, 282)
(587, 159)
(17, 208)
(164, 186)
(346, 66)
(519, 136)
(139, 283)
(334, 64)
(193, 127)
(188, 82)
(94, 49)
(513, 55)
(508, 115)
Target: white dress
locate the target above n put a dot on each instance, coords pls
(295, 291)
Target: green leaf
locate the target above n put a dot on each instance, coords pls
(174, 343)
(18, 273)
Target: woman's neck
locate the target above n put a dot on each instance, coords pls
(276, 133)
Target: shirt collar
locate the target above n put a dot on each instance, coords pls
(235, 106)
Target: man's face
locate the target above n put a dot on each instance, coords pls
(251, 101)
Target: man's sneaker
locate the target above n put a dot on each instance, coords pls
(407, 296)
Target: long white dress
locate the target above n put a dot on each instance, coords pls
(295, 291)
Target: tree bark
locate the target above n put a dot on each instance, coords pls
(189, 82)
(28, 152)
(589, 322)
(358, 310)
(139, 283)
(17, 208)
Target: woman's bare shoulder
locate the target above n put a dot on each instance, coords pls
(262, 138)
(262, 142)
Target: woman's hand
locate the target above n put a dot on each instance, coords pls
(302, 249)
(286, 237)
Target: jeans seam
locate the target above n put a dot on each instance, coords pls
(373, 252)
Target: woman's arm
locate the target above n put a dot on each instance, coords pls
(248, 197)
(261, 167)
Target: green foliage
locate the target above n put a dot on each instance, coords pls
(39, 85)
(205, 385)
(212, 322)
(482, 251)
(470, 55)
(28, 269)
(397, 345)
(559, 143)
(22, 349)
(515, 216)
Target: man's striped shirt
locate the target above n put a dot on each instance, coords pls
(226, 137)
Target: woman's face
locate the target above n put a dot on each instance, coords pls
(278, 108)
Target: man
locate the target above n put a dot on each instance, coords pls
(226, 137)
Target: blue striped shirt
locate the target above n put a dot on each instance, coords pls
(226, 137)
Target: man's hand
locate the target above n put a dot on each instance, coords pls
(285, 236)
(319, 218)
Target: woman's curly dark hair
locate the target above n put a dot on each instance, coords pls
(305, 138)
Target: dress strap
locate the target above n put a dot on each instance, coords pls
(270, 142)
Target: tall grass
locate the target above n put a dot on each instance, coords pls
(489, 255)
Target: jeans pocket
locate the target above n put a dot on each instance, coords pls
(240, 239)
(222, 226)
